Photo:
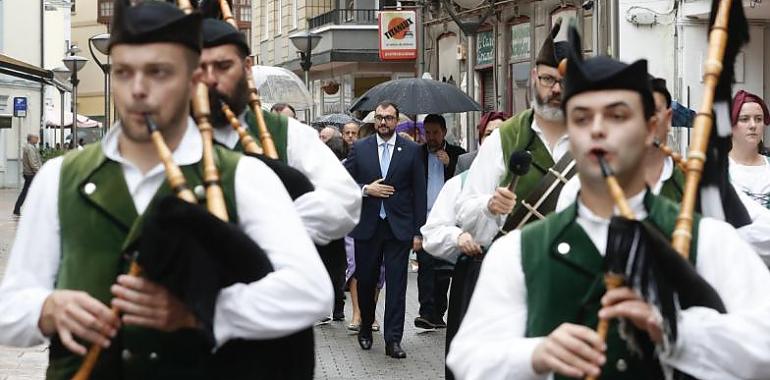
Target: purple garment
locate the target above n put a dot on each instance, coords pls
(350, 250)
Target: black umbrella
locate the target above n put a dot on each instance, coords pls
(336, 119)
(417, 96)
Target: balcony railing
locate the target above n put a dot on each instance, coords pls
(345, 16)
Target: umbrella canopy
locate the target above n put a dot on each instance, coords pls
(337, 120)
(417, 96)
(53, 120)
(279, 85)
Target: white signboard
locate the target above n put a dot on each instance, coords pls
(398, 35)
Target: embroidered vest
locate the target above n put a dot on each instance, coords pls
(98, 223)
(564, 278)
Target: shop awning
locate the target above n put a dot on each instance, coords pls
(19, 69)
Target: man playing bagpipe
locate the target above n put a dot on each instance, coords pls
(540, 293)
(90, 211)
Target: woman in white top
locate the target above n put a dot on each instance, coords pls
(750, 170)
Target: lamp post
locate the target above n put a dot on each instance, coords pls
(305, 42)
(74, 63)
(61, 73)
(101, 43)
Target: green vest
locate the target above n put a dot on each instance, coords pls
(564, 278)
(278, 125)
(516, 134)
(98, 224)
(673, 188)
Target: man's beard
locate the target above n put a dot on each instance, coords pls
(237, 103)
(544, 109)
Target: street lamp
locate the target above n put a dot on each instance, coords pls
(305, 42)
(62, 74)
(74, 63)
(101, 42)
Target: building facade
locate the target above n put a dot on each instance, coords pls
(44, 24)
(346, 62)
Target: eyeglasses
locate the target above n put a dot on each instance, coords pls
(387, 118)
(548, 81)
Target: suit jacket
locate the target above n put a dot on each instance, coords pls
(453, 151)
(406, 208)
(464, 161)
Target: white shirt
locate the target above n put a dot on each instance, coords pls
(440, 232)
(490, 343)
(753, 180)
(757, 234)
(334, 208)
(484, 177)
(285, 301)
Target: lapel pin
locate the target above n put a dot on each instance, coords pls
(563, 248)
(398, 149)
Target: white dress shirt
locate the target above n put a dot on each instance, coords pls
(490, 343)
(440, 232)
(285, 301)
(334, 207)
(484, 177)
(757, 234)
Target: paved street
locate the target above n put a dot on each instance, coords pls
(338, 354)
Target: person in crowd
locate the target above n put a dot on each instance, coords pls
(488, 123)
(284, 109)
(350, 132)
(391, 174)
(536, 302)
(31, 163)
(434, 275)
(65, 272)
(749, 169)
(328, 132)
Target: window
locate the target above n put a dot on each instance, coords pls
(3, 103)
(243, 11)
(104, 14)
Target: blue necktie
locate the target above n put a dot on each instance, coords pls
(384, 164)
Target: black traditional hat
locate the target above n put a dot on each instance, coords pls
(154, 21)
(551, 53)
(217, 32)
(604, 73)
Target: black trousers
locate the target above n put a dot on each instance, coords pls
(433, 279)
(23, 195)
(383, 247)
(335, 260)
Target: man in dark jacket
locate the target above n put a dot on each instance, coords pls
(434, 275)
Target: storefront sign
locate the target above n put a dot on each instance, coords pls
(398, 35)
(485, 48)
(520, 40)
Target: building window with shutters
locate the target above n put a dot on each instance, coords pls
(519, 60)
(104, 11)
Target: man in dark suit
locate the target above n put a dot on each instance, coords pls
(391, 174)
(434, 275)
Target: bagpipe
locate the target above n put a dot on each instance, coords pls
(195, 252)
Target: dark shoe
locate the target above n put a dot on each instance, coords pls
(423, 323)
(394, 350)
(365, 340)
(323, 321)
(340, 316)
(439, 323)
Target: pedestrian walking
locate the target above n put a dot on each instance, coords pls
(31, 163)
(749, 169)
(390, 171)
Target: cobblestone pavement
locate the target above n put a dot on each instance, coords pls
(337, 351)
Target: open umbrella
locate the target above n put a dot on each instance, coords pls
(279, 85)
(417, 96)
(335, 119)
